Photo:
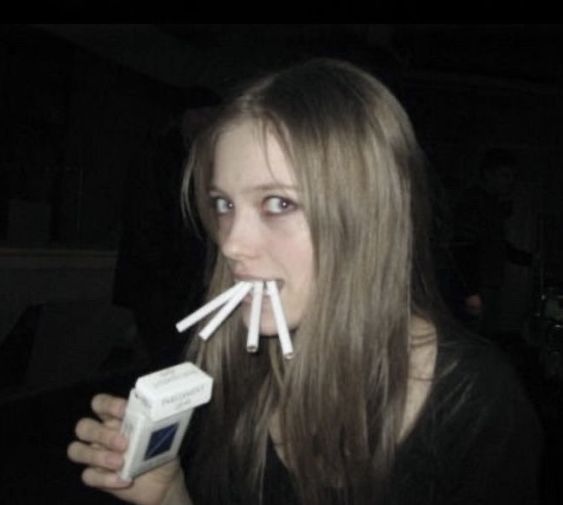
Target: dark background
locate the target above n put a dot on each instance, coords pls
(79, 102)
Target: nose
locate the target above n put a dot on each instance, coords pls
(240, 239)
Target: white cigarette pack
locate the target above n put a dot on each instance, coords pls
(158, 413)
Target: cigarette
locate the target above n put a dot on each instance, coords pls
(255, 312)
(281, 324)
(241, 291)
(209, 307)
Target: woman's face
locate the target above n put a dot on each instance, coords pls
(262, 230)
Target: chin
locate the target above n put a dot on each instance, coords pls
(268, 326)
(268, 331)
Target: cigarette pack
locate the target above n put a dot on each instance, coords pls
(158, 413)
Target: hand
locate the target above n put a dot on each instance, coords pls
(474, 305)
(101, 448)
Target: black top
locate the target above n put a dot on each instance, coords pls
(477, 441)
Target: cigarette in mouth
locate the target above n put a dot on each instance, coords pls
(255, 312)
(281, 324)
(235, 299)
(227, 301)
(209, 307)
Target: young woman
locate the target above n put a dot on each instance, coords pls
(313, 177)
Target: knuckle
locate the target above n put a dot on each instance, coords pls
(114, 424)
(100, 459)
(120, 406)
(111, 460)
(107, 437)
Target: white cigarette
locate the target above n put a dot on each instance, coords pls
(218, 318)
(209, 307)
(281, 324)
(254, 324)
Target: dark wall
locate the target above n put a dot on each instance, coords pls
(71, 124)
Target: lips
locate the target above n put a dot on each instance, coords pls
(249, 278)
(248, 298)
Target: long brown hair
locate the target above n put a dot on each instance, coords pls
(341, 399)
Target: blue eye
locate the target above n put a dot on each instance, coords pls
(278, 205)
(221, 205)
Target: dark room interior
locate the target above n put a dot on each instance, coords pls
(81, 107)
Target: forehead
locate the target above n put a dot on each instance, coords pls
(246, 154)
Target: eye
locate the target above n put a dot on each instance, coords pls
(278, 205)
(221, 205)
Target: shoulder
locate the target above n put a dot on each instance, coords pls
(474, 378)
(485, 425)
(481, 368)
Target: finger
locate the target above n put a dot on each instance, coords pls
(113, 424)
(89, 430)
(94, 477)
(108, 406)
(100, 458)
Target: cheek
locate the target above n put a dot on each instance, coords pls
(304, 268)
(293, 240)
(221, 227)
(295, 254)
(299, 267)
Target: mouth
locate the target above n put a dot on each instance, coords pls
(247, 278)
(266, 295)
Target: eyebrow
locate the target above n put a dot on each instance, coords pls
(259, 188)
